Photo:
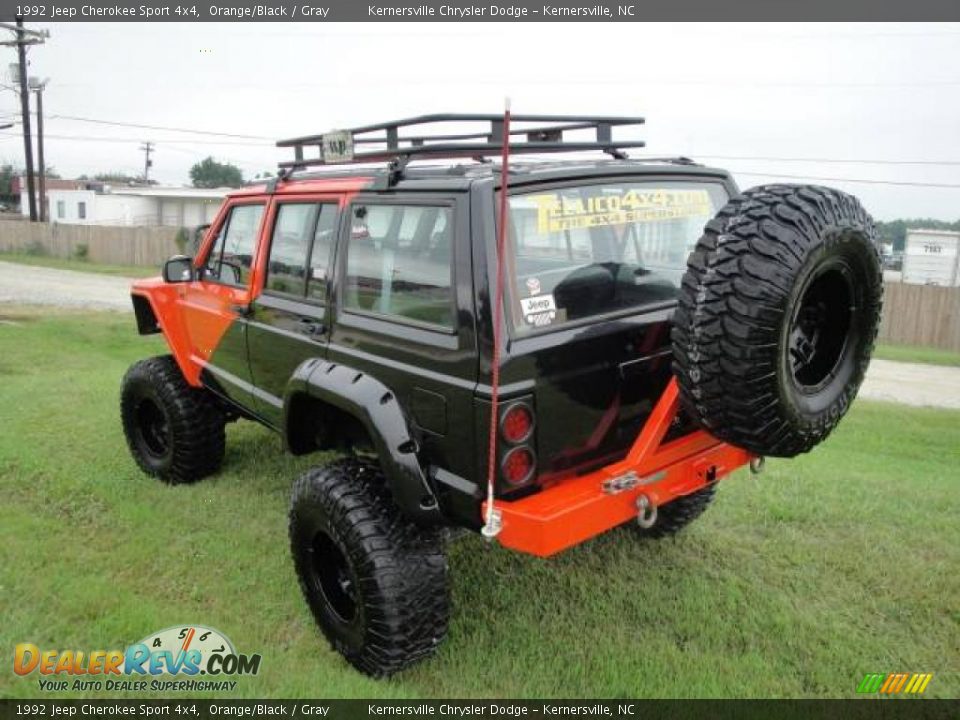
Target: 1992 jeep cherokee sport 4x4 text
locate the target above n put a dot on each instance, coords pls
(657, 330)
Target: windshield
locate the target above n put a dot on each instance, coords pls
(586, 250)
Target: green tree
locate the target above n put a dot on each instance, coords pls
(209, 173)
(7, 174)
(118, 178)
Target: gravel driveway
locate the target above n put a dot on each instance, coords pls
(912, 384)
(907, 383)
(29, 285)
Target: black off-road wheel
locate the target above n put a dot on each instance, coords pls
(175, 431)
(677, 514)
(777, 317)
(376, 583)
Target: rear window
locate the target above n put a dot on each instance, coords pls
(577, 252)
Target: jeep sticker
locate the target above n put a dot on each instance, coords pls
(538, 311)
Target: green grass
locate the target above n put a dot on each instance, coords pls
(916, 354)
(133, 271)
(795, 583)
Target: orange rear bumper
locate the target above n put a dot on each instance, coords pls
(580, 508)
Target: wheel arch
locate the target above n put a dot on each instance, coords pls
(354, 395)
(155, 308)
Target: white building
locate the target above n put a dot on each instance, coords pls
(103, 204)
(931, 257)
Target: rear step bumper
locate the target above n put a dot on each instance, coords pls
(578, 509)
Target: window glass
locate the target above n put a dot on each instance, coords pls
(82, 210)
(323, 240)
(398, 262)
(289, 248)
(592, 249)
(231, 256)
(61, 209)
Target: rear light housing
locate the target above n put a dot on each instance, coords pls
(518, 466)
(518, 460)
(516, 423)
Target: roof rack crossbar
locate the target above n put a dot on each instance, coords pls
(463, 150)
(543, 134)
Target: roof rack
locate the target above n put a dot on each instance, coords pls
(397, 144)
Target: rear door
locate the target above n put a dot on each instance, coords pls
(214, 306)
(288, 321)
(404, 294)
(595, 269)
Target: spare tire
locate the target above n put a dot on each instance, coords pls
(777, 317)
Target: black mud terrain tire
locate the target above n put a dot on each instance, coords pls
(678, 513)
(175, 431)
(778, 313)
(377, 584)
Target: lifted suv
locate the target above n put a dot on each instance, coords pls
(659, 330)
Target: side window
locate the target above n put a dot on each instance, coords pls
(300, 250)
(398, 262)
(323, 240)
(231, 256)
(289, 249)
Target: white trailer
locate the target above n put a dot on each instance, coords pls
(931, 258)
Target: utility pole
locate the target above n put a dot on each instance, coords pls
(147, 148)
(26, 37)
(25, 110)
(38, 86)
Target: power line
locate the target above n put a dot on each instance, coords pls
(760, 158)
(904, 183)
(160, 141)
(141, 126)
(842, 161)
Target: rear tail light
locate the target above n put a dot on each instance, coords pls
(516, 423)
(518, 461)
(518, 465)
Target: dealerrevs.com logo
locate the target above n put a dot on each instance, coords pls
(184, 657)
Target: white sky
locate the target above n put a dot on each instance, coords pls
(710, 91)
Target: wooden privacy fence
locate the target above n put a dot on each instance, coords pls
(921, 315)
(110, 245)
(912, 314)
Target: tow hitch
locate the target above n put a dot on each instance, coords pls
(646, 512)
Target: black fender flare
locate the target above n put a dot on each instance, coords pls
(377, 408)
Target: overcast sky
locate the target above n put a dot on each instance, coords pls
(717, 93)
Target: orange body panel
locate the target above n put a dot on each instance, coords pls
(580, 508)
(194, 316)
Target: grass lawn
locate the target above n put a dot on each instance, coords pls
(796, 582)
(914, 354)
(133, 271)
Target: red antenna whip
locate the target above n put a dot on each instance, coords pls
(492, 521)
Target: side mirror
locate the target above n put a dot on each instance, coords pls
(178, 269)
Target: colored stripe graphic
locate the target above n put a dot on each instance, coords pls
(894, 683)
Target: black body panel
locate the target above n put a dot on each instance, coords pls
(422, 390)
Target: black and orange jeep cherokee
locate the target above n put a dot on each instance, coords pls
(656, 330)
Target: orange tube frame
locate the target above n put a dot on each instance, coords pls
(580, 508)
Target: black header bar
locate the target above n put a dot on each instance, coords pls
(465, 11)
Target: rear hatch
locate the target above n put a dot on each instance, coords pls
(593, 271)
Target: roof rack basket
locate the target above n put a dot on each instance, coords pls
(402, 140)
